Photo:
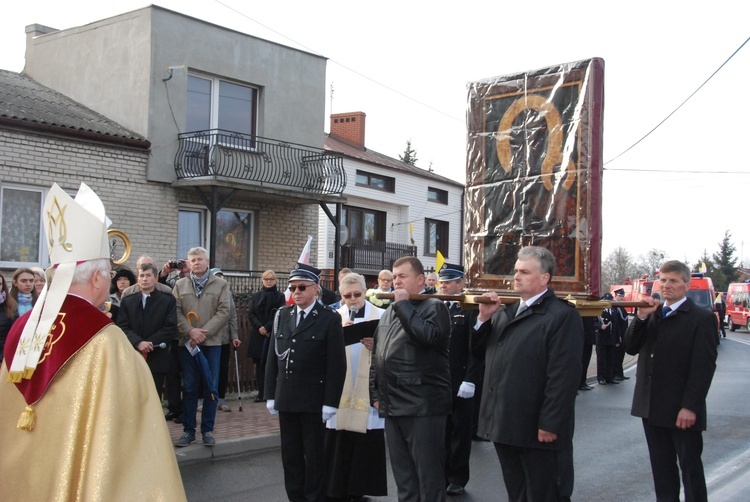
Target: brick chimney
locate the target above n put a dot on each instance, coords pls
(349, 127)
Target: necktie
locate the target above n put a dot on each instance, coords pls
(665, 312)
(521, 307)
(145, 300)
(301, 317)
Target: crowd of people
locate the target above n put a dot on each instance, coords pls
(354, 377)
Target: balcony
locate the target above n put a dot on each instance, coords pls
(259, 161)
(373, 256)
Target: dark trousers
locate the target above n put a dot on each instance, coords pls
(458, 441)
(585, 360)
(303, 455)
(224, 370)
(668, 447)
(416, 446)
(174, 381)
(529, 473)
(618, 358)
(604, 362)
(260, 370)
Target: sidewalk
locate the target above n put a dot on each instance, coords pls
(254, 428)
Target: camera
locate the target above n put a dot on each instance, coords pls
(176, 265)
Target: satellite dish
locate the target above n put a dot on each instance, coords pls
(343, 235)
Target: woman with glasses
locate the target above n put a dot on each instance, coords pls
(263, 307)
(7, 313)
(385, 285)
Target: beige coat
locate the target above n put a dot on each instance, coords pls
(212, 308)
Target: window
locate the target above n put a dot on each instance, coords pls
(190, 230)
(437, 195)
(435, 237)
(364, 224)
(234, 231)
(214, 103)
(21, 227)
(377, 181)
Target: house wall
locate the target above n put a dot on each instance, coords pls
(127, 56)
(409, 202)
(116, 174)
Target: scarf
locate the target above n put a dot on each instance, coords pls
(199, 282)
(24, 303)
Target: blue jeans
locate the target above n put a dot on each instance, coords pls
(191, 378)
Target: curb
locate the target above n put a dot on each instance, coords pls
(228, 447)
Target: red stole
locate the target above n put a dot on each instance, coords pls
(77, 323)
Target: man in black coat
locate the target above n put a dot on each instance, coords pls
(606, 339)
(676, 347)
(149, 318)
(410, 383)
(305, 375)
(532, 354)
(465, 373)
(620, 325)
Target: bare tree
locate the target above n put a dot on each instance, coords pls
(618, 266)
(651, 261)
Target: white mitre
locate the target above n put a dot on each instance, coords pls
(76, 231)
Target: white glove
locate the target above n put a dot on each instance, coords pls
(328, 413)
(466, 390)
(270, 405)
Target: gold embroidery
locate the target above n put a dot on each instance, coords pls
(58, 221)
(52, 339)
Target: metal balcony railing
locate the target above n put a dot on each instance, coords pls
(236, 156)
(364, 254)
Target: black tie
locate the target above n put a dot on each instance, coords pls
(301, 317)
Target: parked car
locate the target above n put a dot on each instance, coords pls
(738, 305)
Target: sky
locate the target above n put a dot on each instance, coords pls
(407, 65)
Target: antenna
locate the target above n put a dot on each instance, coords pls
(331, 98)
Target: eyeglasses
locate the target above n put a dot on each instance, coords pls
(355, 295)
(295, 288)
(269, 278)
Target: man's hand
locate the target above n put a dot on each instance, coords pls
(165, 270)
(197, 336)
(545, 436)
(262, 330)
(644, 312)
(328, 413)
(270, 406)
(367, 342)
(466, 390)
(236, 342)
(685, 419)
(400, 295)
(486, 310)
(145, 347)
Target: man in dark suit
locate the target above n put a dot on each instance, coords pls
(465, 372)
(305, 375)
(676, 347)
(620, 325)
(149, 318)
(605, 346)
(532, 354)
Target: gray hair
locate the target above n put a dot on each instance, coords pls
(198, 250)
(678, 267)
(385, 272)
(353, 279)
(85, 270)
(543, 256)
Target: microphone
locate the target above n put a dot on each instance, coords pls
(162, 345)
(353, 312)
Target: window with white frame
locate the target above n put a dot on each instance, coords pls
(214, 103)
(435, 237)
(234, 236)
(21, 238)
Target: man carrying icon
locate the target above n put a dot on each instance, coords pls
(70, 379)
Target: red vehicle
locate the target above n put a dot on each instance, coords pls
(738, 305)
(634, 292)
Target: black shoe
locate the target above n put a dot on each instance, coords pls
(178, 419)
(454, 489)
(208, 439)
(185, 440)
(618, 379)
(601, 382)
(585, 387)
(624, 378)
(170, 416)
(259, 400)
(613, 382)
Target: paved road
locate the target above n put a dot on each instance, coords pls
(610, 453)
